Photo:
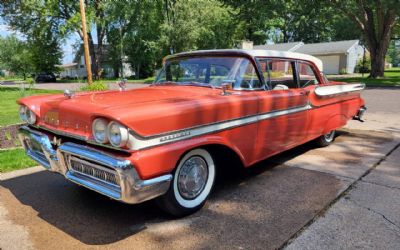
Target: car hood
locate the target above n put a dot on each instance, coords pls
(147, 111)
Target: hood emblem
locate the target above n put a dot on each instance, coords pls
(69, 93)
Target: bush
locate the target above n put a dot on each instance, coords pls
(95, 87)
(363, 69)
(343, 71)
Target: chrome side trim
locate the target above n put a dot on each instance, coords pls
(334, 90)
(156, 140)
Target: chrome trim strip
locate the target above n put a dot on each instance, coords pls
(78, 137)
(334, 90)
(156, 140)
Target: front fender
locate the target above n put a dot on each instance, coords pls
(160, 160)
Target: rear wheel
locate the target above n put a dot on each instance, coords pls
(192, 183)
(326, 139)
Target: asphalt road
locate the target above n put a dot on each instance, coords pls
(315, 198)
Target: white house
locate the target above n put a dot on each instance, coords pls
(337, 57)
(77, 68)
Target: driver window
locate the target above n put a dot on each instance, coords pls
(307, 76)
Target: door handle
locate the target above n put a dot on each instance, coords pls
(304, 92)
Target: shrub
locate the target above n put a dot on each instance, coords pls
(343, 71)
(363, 69)
(95, 87)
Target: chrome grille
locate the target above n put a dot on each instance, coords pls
(93, 170)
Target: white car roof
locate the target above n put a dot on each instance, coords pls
(257, 53)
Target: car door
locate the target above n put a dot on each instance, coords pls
(283, 107)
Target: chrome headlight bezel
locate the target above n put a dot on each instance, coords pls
(27, 115)
(22, 113)
(30, 116)
(98, 137)
(117, 134)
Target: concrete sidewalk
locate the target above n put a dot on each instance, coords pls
(366, 217)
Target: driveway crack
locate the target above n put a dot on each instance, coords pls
(381, 215)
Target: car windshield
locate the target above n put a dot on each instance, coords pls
(210, 71)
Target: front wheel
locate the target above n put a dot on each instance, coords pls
(326, 139)
(192, 183)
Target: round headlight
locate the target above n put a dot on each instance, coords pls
(99, 130)
(22, 113)
(30, 116)
(117, 134)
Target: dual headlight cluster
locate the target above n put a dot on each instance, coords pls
(110, 132)
(27, 115)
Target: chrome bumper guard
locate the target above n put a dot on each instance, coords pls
(360, 114)
(94, 169)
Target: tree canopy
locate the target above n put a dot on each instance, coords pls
(143, 31)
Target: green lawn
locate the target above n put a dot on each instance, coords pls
(14, 159)
(9, 108)
(391, 78)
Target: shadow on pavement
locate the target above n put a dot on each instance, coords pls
(262, 207)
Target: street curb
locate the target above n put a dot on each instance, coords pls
(21, 172)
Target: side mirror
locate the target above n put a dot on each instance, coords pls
(227, 85)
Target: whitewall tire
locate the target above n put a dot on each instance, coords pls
(192, 183)
(326, 139)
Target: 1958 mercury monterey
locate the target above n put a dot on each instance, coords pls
(166, 141)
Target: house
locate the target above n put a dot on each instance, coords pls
(337, 57)
(77, 68)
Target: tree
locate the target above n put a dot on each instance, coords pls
(15, 56)
(39, 30)
(24, 15)
(376, 21)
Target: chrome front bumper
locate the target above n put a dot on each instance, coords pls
(94, 169)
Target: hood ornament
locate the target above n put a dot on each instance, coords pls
(69, 93)
(122, 84)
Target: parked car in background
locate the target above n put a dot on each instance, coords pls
(45, 77)
(167, 141)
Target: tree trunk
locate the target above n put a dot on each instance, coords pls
(377, 63)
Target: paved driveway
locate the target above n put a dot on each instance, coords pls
(281, 202)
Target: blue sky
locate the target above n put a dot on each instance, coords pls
(67, 46)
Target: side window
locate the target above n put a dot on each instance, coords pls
(306, 75)
(281, 72)
(247, 77)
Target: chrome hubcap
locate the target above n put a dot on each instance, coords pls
(192, 177)
(329, 136)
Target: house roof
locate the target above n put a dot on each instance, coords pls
(67, 65)
(280, 46)
(327, 48)
(254, 53)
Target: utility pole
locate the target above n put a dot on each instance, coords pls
(86, 44)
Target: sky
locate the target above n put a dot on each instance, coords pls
(66, 47)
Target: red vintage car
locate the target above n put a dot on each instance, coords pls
(168, 140)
